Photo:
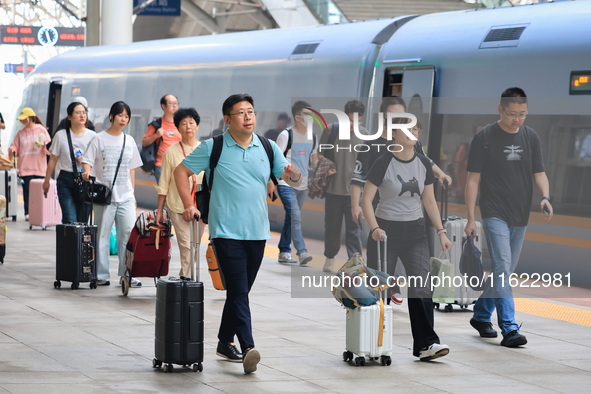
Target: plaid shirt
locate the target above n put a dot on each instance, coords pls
(317, 184)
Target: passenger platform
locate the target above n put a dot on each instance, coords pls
(98, 341)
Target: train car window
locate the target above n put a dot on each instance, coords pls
(580, 82)
(503, 36)
(304, 50)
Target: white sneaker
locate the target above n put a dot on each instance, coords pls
(26, 217)
(305, 258)
(135, 283)
(436, 350)
(285, 257)
(329, 265)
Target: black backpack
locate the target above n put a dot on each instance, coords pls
(149, 153)
(203, 196)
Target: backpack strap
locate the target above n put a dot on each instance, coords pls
(270, 155)
(289, 141)
(216, 152)
(156, 124)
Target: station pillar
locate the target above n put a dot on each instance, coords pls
(116, 22)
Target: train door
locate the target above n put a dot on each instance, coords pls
(53, 106)
(416, 86)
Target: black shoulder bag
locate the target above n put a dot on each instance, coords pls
(97, 193)
(78, 181)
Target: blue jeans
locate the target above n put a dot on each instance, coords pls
(72, 211)
(504, 244)
(292, 226)
(285, 240)
(123, 213)
(240, 261)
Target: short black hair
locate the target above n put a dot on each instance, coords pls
(235, 99)
(355, 106)
(388, 101)
(298, 106)
(283, 116)
(118, 108)
(163, 99)
(183, 113)
(513, 95)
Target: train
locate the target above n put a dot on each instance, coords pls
(450, 67)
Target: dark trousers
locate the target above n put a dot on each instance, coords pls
(239, 261)
(408, 241)
(27, 182)
(72, 211)
(335, 208)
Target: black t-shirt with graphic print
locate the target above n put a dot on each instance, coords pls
(401, 184)
(506, 163)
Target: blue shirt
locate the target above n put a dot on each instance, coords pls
(238, 204)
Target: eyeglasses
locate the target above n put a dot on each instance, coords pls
(242, 113)
(173, 103)
(515, 116)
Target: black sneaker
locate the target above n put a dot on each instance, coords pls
(229, 352)
(484, 328)
(101, 282)
(514, 339)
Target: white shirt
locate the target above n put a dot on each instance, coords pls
(299, 153)
(103, 154)
(60, 148)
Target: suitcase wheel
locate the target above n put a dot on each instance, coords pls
(168, 367)
(449, 308)
(57, 284)
(74, 286)
(347, 356)
(197, 367)
(359, 361)
(125, 287)
(93, 284)
(30, 227)
(156, 363)
(386, 360)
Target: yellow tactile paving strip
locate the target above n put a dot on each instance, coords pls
(554, 311)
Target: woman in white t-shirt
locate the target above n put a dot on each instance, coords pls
(102, 156)
(72, 210)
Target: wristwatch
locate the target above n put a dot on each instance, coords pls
(546, 198)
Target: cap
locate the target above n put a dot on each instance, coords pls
(81, 100)
(25, 113)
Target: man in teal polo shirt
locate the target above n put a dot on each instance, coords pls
(238, 216)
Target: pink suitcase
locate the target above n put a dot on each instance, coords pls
(44, 211)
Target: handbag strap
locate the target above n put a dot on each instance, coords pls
(119, 162)
(74, 167)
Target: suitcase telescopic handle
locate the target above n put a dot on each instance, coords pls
(382, 262)
(444, 216)
(194, 232)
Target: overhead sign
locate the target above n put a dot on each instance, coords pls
(159, 7)
(18, 68)
(43, 35)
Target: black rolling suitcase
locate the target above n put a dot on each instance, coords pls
(75, 254)
(179, 317)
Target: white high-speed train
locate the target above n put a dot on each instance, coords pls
(451, 67)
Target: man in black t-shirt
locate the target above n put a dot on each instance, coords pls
(504, 162)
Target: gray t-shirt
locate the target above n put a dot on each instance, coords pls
(401, 185)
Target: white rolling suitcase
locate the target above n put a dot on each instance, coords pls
(464, 294)
(8, 179)
(369, 329)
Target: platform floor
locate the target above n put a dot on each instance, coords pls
(97, 341)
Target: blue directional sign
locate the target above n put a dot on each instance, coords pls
(160, 7)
